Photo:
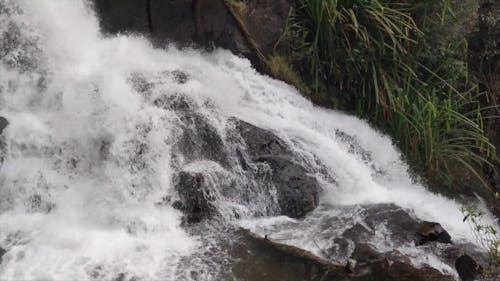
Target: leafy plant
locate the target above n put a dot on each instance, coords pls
(389, 62)
(487, 236)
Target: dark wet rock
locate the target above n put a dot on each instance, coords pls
(3, 124)
(257, 259)
(276, 261)
(298, 192)
(431, 231)
(394, 220)
(2, 253)
(467, 268)
(200, 140)
(390, 266)
(254, 31)
(260, 142)
(265, 161)
(125, 16)
(196, 201)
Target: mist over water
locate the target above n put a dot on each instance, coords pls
(89, 155)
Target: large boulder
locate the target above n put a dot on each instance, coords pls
(277, 261)
(124, 15)
(267, 166)
(298, 191)
(467, 268)
(196, 201)
(375, 266)
(200, 140)
(251, 28)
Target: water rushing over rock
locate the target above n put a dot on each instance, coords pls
(125, 162)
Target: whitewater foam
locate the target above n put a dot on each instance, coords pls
(89, 157)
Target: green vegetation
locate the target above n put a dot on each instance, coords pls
(283, 70)
(488, 237)
(400, 64)
(237, 5)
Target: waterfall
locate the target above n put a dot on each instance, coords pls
(87, 183)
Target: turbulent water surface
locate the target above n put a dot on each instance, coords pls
(90, 154)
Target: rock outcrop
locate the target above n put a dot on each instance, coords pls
(467, 268)
(251, 28)
(196, 201)
(276, 261)
(298, 192)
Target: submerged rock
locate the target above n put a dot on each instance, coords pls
(270, 170)
(431, 231)
(200, 140)
(195, 198)
(467, 268)
(392, 266)
(298, 191)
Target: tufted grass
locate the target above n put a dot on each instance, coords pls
(398, 64)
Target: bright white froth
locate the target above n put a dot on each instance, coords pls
(71, 144)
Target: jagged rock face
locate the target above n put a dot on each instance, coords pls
(226, 166)
(195, 198)
(201, 22)
(263, 158)
(200, 140)
(276, 261)
(298, 191)
(124, 15)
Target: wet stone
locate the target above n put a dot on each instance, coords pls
(467, 268)
(201, 141)
(195, 199)
(431, 231)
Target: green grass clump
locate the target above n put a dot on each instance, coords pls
(283, 70)
(239, 6)
(400, 65)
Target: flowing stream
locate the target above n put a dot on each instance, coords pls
(89, 155)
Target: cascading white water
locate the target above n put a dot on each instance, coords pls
(77, 199)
